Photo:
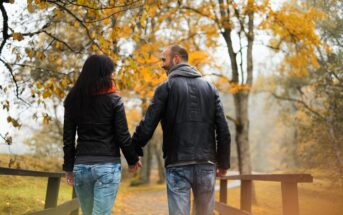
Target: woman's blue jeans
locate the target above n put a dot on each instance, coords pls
(96, 186)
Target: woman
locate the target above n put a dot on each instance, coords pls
(96, 113)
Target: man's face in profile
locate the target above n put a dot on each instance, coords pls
(167, 60)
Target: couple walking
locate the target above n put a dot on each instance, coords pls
(196, 138)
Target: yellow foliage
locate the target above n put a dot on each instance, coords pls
(46, 118)
(18, 36)
(234, 87)
(40, 55)
(198, 57)
(76, 24)
(46, 93)
(296, 29)
(30, 6)
(14, 122)
(39, 85)
(29, 52)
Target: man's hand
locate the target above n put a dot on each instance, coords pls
(70, 178)
(134, 168)
(221, 172)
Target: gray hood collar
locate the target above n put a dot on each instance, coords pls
(184, 70)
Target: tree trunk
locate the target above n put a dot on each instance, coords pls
(144, 172)
(159, 158)
(242, 132)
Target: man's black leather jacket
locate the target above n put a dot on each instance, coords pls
(192, 119)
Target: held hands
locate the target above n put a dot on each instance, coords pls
(135, 167)
(69, 178)
(221, 172)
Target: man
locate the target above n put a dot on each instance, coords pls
(196, 138)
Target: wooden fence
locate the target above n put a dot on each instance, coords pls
(54, 179)
(289, 190)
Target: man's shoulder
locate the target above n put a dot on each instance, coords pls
(162, 86)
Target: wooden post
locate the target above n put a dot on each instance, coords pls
(246, 197)
(290, 203)
(75, 212)
(223, 191)
(52, 192)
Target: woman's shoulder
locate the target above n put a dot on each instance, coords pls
(114, 98)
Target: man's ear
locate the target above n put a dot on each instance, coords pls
(177, 59)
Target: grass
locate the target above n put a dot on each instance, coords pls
(27, 194)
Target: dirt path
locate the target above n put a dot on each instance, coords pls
(148, 199)
(146, 202)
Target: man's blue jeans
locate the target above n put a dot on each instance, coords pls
(198, 177)
(96, 186)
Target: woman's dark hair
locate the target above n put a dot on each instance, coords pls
(95, 76)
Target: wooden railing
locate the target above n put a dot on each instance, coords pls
(289, 190)
(51, 197)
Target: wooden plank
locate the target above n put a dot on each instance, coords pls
(290, 203)
(271, 177)
(246, 197)
(20, 172)
(225, 209)
(62, 209)
(52, 192)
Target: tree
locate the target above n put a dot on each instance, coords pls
(50, 62)
(237, 23)
(316, 89)
(43, 59)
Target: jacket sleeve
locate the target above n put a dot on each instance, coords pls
(123, 135)
(69, 132)
(223, 138)
(153, 115)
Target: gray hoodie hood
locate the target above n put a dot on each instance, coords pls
(184, 70)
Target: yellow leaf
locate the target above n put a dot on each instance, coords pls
(39, 85)
(46, 119)
(40, 55)
(29, 53)
(51, 57)
(30, 8)
(18, 36)
(14, 122)
(76, 24)
(58, 45)
(46, 94)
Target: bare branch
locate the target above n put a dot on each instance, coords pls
(79, 20)
(114, 13)
(104, 8)
(196, 11)
(14, 81)
(5, 35)
(306, 106)
(63, 42)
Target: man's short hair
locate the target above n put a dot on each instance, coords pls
(179, 50)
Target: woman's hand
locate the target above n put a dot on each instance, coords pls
(70, 178)
(134, 168)
(221, 172)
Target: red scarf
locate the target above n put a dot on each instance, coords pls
(109, 90)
